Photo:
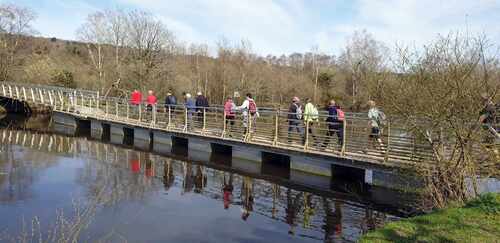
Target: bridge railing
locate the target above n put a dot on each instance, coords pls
(271, 127)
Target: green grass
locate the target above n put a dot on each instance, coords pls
(477, 221)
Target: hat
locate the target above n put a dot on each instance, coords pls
(199, 93)
(295, 99)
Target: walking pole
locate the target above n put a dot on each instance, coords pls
(388, 141)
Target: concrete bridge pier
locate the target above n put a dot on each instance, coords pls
(199, 149)
(96, 129)
(65, 119)
(310, 171)
(117, 134)
(247, 158)
(143, 138)
(162, 142)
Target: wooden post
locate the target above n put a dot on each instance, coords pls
(204, 121)
(41, 96)
(344, 139)
(276, 128)
(107, 108)
(153, 115)
(50, 99)
(169, 117)
(306, 136)
(140, 112)
(185, 119)
(388, 141)
(24, 94)
(128, 110)
(4, 91)
(17, 92)
(10, 91)
(32, 95)
(98, 100)
(224, 126)
(116, 109)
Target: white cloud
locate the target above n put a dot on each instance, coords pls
(416, 22)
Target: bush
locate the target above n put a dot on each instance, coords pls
(489, 203)
(63, 78)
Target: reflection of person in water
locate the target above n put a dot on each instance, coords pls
(372, 220)
(135, 165)
(308, 209)
(188, 181)
(333, 220)
(276, 197)
(246, 197)
(149, 171)
(200, 179)
(227, 190)
(292, 207)
(168, 175)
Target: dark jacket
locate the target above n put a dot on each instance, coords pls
(292, 111)
(170, 100)
(201, 101)
(332, 115)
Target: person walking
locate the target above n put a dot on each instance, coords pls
(335, 123)
(201, 105)
(376, 122)
(294, 119)
(250, 113)
(151, 100)
(311, 116)
(229, 114)
(170, 102)
(136, 97)
(190, 106)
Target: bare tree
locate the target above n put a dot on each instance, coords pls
(149, 42)
(362, 56)
(15, 24)
(94, 32)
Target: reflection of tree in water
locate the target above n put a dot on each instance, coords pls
(332, 220)
(200, 179)
(168, 175)
(19, 166)
(293, 206)
(115, 184)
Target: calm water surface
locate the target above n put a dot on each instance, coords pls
(119, 194)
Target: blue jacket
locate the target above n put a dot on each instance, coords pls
(190, 104)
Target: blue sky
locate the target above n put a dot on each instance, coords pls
(286, 26)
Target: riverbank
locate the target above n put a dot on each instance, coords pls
(477, 221)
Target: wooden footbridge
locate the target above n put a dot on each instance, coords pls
(310, 150)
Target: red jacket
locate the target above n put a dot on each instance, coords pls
(151, 100)
(136, 98)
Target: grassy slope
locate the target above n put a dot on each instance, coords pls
(478, 221)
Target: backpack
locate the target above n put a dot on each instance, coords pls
(252, 107)
(314, 113)
(381, 119)
(228, 109)
(340, 115)
(298, 112)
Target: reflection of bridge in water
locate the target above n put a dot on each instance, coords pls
(130, 174)
(253, 143)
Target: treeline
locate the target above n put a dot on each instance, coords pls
(140, 51)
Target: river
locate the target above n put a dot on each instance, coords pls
(62, 187)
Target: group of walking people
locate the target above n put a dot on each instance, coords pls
(302, 119)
